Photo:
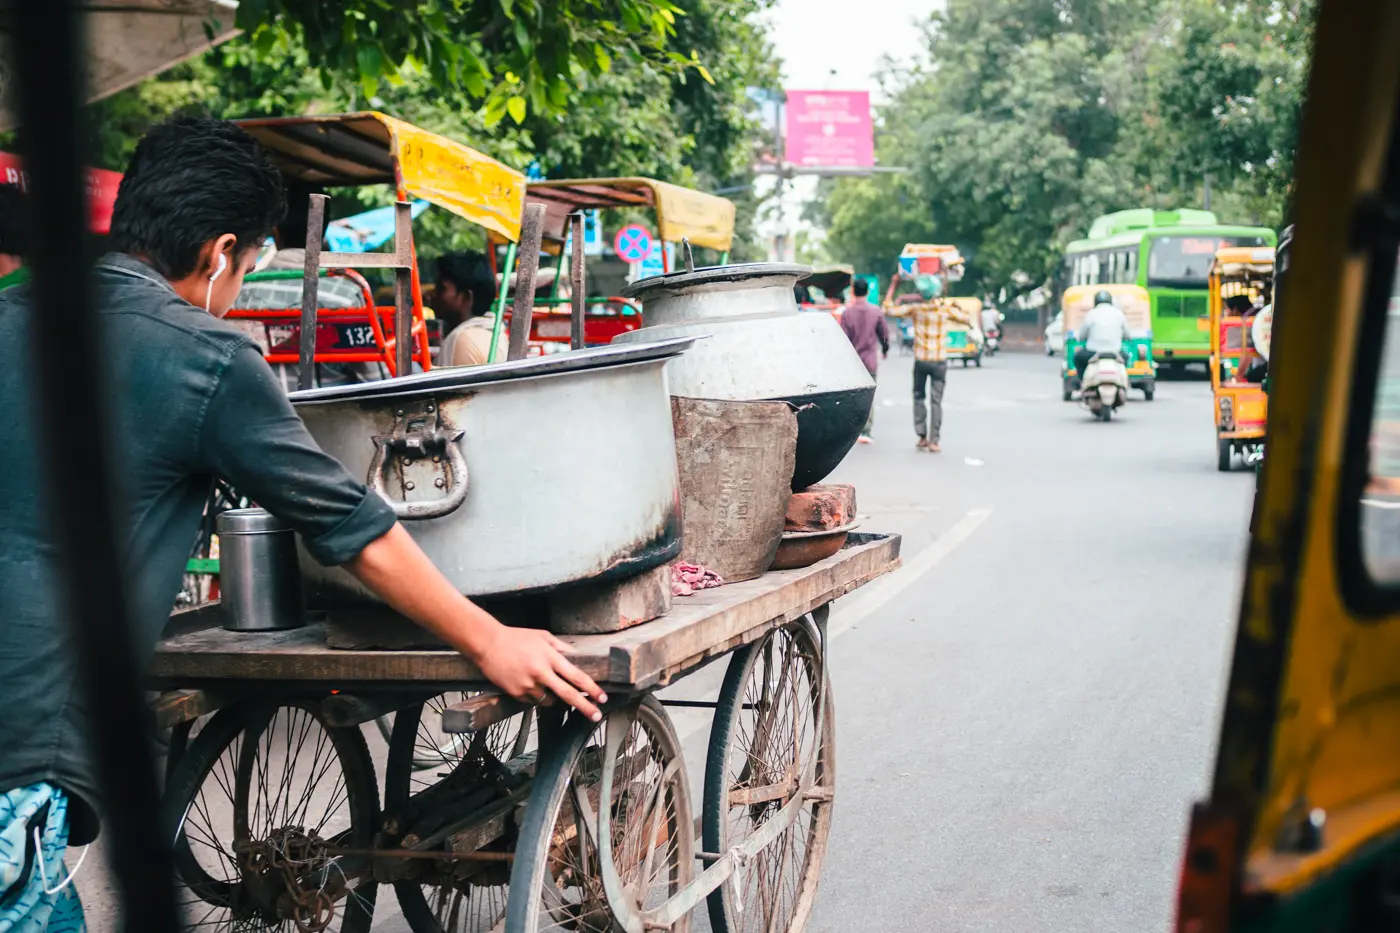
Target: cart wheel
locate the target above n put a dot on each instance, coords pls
(763, 738)
(556, 882)
(1224, 454)
(450, 897)
(263, 793)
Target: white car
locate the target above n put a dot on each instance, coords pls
(1055, 335)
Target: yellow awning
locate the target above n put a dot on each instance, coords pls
(681, 213)
(369, 148)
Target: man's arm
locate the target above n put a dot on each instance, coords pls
(252, 437)
(882, 331)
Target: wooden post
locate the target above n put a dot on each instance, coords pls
(531, 231)
(310, 285)
(577, 277)
(403, 289)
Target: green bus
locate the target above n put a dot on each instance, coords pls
(1169, 253)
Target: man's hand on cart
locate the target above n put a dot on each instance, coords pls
(528, 664)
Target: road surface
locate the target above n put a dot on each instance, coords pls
(1028, 708)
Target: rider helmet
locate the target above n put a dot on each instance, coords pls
(1103, 298)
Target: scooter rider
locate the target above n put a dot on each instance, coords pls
(1103, 330)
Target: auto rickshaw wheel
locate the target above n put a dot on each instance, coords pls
(1149, 389)
(1068, 392)
(977, 361)
(1224, 455)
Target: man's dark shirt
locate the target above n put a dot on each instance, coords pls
(191, 398)
(865, 325)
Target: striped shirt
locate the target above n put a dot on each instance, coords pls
(931, 320)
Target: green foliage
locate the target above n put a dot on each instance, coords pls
(515, 55)
(1030, 117)
(631, 114)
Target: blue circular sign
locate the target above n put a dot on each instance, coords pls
(632, 243)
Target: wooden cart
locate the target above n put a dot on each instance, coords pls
(276, 813)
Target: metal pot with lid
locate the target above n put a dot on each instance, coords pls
(516, 477)
(761, 348)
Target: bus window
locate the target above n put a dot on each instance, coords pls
(1184, 261)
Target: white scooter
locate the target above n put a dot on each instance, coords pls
(1104, 387)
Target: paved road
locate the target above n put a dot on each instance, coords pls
(1026, 710)
(1023, 724)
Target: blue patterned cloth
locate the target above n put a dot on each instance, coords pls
(28, 901)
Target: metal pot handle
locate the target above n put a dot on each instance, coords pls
(444, 441)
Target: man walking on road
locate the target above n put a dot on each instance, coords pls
(865, 327)
(931, 318)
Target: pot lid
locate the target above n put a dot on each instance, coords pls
(248, 521)
(457, 377)
(739, 274)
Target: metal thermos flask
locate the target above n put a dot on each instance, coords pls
(258, 573)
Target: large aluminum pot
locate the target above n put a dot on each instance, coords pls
(514, 477)
(761, 348)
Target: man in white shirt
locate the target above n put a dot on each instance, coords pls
(1103, 330)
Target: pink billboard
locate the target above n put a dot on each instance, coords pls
(830, 129)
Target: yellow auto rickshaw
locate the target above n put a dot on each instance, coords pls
(1241, 304)
(964, 341)
(352, 150)
(705, 221)
(1136, 306)
(1300, 828)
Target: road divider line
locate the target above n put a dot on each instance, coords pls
(880, 593)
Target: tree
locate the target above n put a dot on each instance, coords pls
(1028, 118)
(516, 55)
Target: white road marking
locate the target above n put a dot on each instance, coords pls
(880, 593)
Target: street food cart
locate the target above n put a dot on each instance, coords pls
(683, 215)
(492, 815)
(1241, 318)
(343, 150)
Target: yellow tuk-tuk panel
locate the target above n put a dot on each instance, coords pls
(1302, 823)
(368, 148)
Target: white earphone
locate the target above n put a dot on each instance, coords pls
(218, 271)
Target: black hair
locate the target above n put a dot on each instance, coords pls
(191, 180)
(860, 288)
(470, 272)
(14, 226)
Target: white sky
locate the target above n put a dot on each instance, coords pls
(813, 37)
(837, 45)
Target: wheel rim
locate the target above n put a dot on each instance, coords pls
(649, 822)
(772, 740)
(290, 769)
(450, 897)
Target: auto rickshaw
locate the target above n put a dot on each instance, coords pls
(1241, 303)
(827, 288)
(682, 214)
(964, 341)
(316, 153)
(1136, 306)
(1300, 828)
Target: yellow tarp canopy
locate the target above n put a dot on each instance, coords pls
(370, 148)
(681, 213)
(1235, 261)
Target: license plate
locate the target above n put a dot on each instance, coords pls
(553, 328)
(1203, 324)
(354, 336)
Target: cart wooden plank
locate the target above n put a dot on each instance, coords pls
(200, 652)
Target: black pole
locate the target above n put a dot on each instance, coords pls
(49, 51)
